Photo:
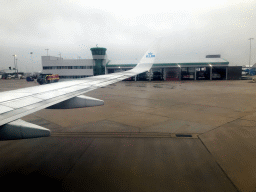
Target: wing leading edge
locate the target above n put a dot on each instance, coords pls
(21, 102)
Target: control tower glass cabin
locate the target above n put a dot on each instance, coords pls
(99, 57)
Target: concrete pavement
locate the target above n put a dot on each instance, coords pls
(130, 143)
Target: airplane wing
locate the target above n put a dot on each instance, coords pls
(21, 102)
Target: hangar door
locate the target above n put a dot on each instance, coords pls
(157, 74)
(219, 73)
(172, 74)
(187, 73)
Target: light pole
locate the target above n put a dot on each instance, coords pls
(31, 58)
(164, 73)
(250, 53)
(14, 57)
(17, 67)
(210, 71)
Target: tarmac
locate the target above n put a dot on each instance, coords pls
(148, 136)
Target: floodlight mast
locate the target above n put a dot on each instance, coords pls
(250, 53)
(17, 68)
(14, 56)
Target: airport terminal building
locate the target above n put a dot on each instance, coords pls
(68, 68)
(212, 67)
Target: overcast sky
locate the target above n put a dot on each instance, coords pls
(126, 29)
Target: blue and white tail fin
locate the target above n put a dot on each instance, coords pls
(148, 59)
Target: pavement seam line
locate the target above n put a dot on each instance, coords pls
(75, 162)
(213, 157)
(116, 122)
(224, 124)
(50, 122)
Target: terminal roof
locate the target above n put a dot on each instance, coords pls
(172, 61)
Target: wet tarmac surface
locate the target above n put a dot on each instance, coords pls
(149, 136)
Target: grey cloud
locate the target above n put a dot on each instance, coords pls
(62, 27)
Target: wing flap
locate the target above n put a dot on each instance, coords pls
(20, 129)
(4, 109)
(22, 102)
(10, 95)
(78, 102)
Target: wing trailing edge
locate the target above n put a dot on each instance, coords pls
(78, 102)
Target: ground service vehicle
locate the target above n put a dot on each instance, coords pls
(47, 78)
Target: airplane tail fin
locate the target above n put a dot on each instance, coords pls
(149, 57)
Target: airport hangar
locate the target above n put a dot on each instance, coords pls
(212, 67)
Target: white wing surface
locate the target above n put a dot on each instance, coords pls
(21, 102)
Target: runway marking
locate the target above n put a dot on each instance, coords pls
(125, 135)
(183, 135)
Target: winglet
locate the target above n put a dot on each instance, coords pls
(149, 57)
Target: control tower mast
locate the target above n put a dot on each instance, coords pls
(99, 57)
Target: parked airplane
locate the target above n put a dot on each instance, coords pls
(63, 95)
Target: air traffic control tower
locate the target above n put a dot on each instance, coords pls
(99, 56)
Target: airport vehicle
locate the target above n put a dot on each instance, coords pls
(29, 78)
(62, 95)
(11, 77)
(249, 71)
(47, 78)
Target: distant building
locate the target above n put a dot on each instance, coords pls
(5, 73)
(213, 56)
(76, 68)
(213, 67)
(67, 68)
